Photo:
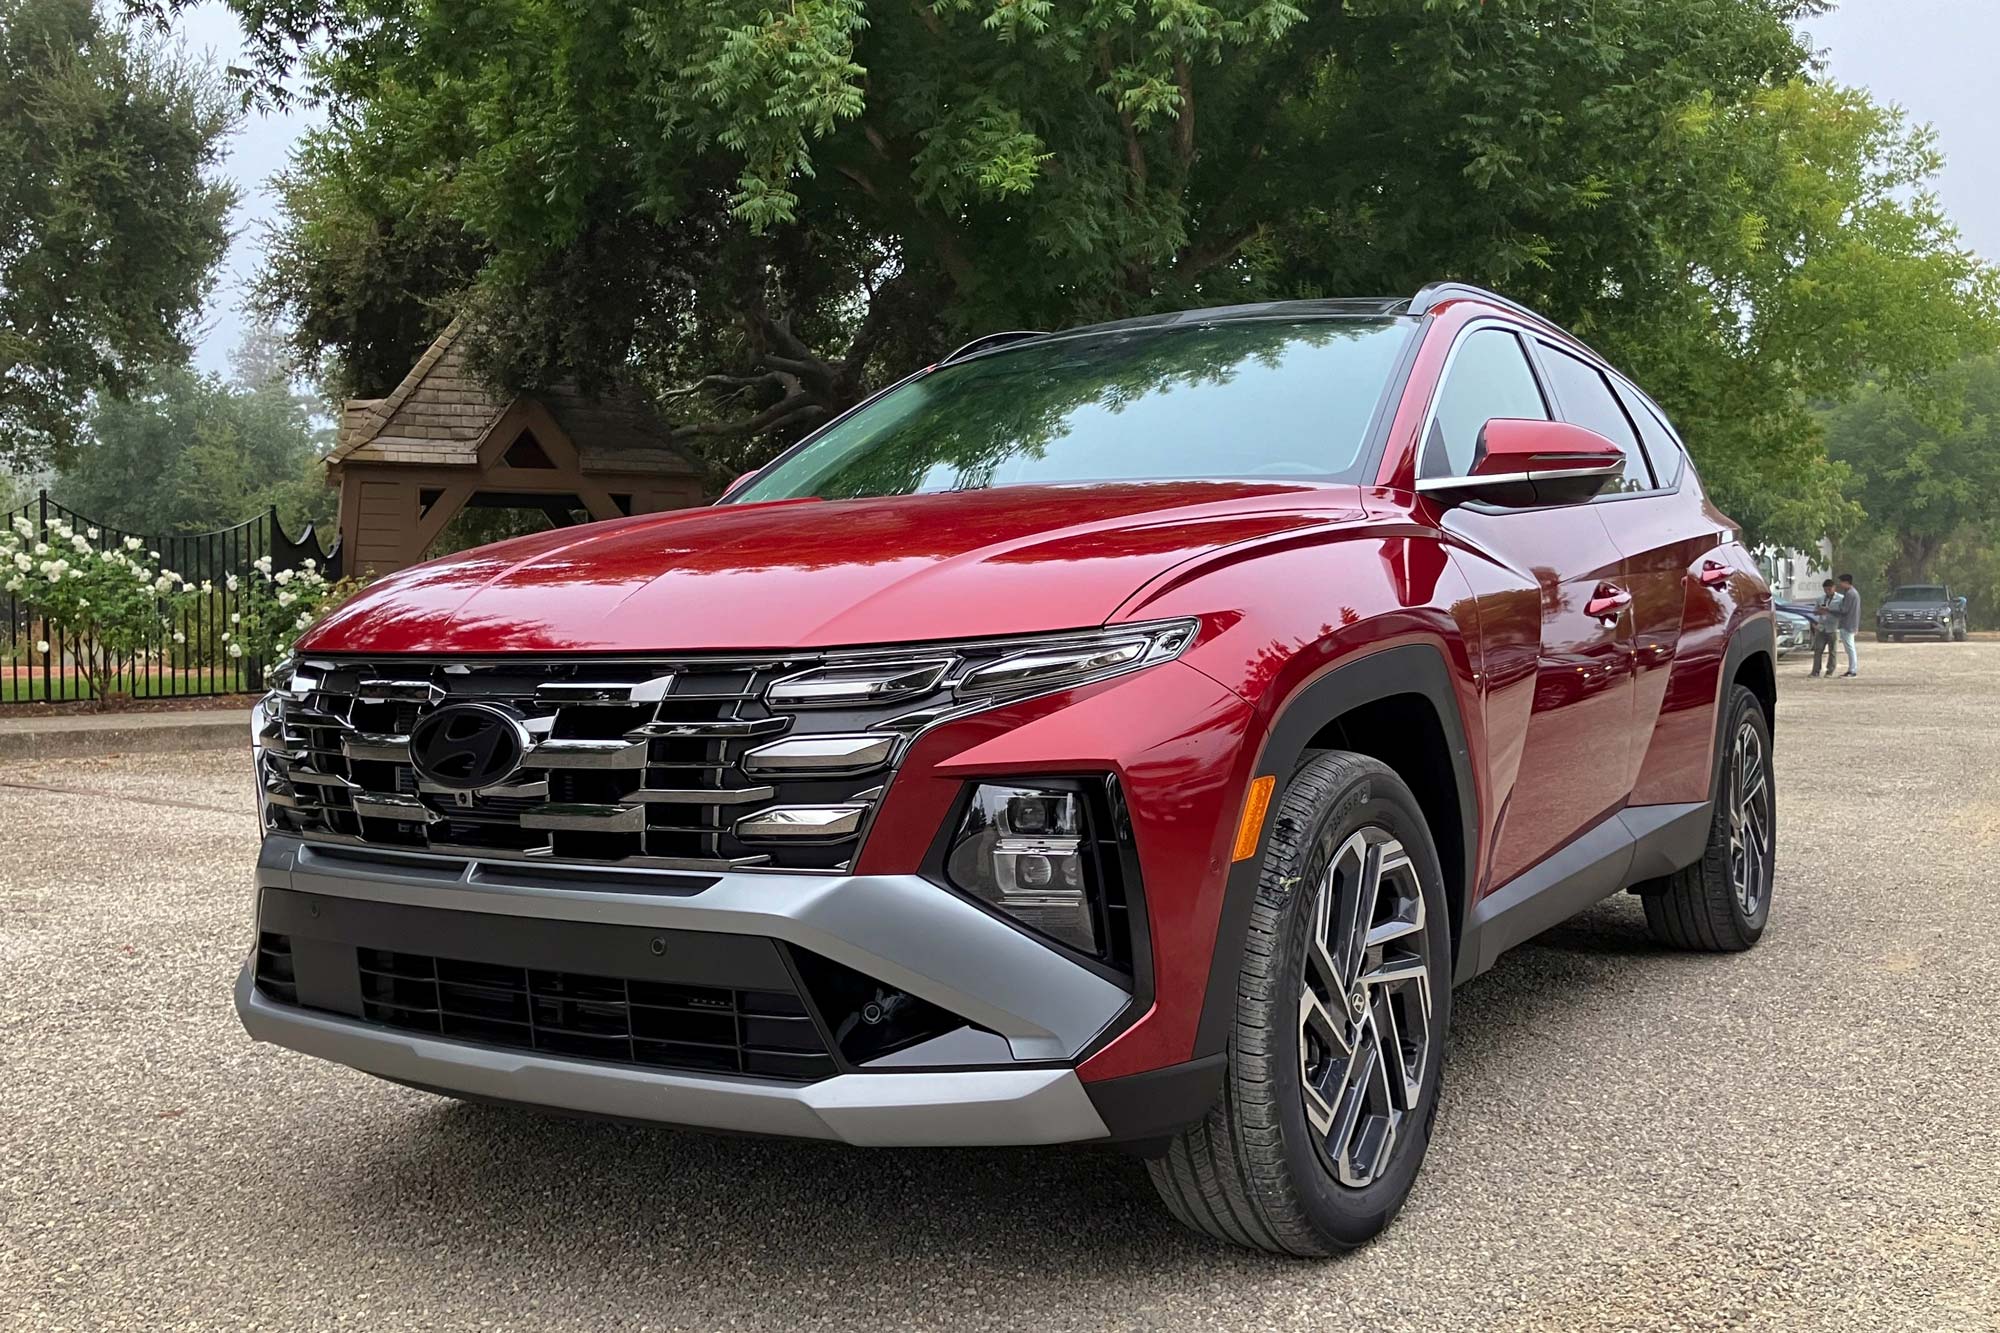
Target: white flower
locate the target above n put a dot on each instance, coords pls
(23, 561)
(231, 583)
(82, 546)
(225, 636)
(287, 598)
(64, 530)
(24, 527)
(163, 583)
(91, 533)
(283, 577)
(41, 645)
(236, 650)
(133, 543)
(263, 563)
(207, 585)
(180, 637)
(82, 602)
(311, 563)
(305, 618)
(235, 618)
(13, 584)
(41, 548)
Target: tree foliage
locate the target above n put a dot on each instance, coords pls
(1928, 480)
(112, 219)
(211, 452)
(766, 210)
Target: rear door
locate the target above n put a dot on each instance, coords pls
(1554, 627)
(1667, 537)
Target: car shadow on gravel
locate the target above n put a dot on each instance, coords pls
(508, 1187)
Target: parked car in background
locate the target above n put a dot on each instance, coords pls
(1795, 627)
(1128, 735)
(1921, 610)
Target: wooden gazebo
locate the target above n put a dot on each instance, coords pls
(407, 464)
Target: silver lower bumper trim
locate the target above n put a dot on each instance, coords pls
(974, 1107)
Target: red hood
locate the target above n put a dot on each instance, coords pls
(809, 574)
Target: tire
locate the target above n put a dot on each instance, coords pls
(1255, 1171)
(1706, 906)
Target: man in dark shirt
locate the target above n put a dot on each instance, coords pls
(1826, 628)
(1850, 623)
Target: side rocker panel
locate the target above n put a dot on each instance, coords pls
(1638, 843)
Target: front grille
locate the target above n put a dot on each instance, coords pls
(636, 762)
(702, 1028)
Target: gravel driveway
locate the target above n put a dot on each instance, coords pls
(1807, 1136)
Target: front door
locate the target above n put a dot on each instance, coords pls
(1555, 623)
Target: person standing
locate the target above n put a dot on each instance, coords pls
(1826, 627)
(1850, 623)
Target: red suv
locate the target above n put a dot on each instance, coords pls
(1125, 734)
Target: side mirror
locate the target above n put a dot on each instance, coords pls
(1524, 464)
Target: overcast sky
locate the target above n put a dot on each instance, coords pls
(1932, 57)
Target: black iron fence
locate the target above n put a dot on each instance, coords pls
(190, 657)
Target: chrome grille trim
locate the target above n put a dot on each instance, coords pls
(639, 762)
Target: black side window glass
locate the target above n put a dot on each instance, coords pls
(1489, 377)
(1662, 450)
(1586, 400)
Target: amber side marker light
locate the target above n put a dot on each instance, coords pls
(1254, 806)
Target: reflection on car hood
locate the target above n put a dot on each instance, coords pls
(813, 574)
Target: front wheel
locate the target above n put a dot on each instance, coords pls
(1722, 902)
(1338, 1041)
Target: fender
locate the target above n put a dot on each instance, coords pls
(1418, 668)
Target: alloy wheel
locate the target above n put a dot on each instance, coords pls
(1749, 821)
(1365, 1006)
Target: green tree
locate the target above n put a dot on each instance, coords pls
(191, 452)
(1928, 480)
(767, 210)
(112, 219)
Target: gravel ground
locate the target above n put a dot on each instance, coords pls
(1807, 1136)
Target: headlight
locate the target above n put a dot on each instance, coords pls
(980, 674)
(1028, 851)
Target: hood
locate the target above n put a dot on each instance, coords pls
(1920, 604)
(807, 574)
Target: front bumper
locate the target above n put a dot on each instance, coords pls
(1006, 1077)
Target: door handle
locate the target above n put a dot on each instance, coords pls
(1608, 601)
(1713, 574)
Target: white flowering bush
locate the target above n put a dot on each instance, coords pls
(110, 608)
(275, 608)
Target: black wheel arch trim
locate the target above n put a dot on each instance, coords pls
(1415, 668)
(1757, 636)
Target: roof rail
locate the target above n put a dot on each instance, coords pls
(1435, 294)
(991, 340)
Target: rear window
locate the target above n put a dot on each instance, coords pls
(1242, 399)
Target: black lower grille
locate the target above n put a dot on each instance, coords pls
(711, 1029)
(696, 1001)
(275, 976)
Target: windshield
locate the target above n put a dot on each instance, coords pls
(1918, 592)
(1248, 398)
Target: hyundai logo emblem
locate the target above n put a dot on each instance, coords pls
(463, 747)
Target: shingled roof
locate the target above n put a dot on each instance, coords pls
(441, 413)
